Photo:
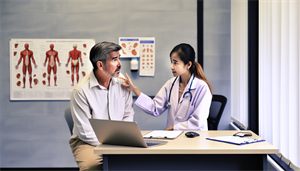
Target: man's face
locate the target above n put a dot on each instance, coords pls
(113, 64)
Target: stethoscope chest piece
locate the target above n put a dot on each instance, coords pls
(167, 105)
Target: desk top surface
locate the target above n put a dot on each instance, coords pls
(197, 145)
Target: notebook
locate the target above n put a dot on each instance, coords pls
(121, 133)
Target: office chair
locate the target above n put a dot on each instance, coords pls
(68, 117)
(217, 106)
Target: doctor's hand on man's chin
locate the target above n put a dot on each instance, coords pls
(128, 84)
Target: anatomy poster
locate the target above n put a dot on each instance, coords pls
(143, 47)
(47, 69)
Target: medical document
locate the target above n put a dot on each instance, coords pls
(161, 134)
(235, 140)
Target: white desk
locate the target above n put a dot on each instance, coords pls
(185, 153)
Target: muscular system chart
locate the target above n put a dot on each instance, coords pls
(47, 69)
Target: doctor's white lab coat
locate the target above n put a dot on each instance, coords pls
(189, 113)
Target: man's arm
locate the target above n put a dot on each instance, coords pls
(81, 113)
(128, 112)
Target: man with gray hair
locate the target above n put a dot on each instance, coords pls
(98, 95)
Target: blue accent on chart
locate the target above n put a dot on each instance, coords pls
(147, 41)
(129, 39)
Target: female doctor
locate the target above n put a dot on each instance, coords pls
(187, 96)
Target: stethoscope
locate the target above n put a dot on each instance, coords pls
(168, 104)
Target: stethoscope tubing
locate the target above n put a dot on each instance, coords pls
(171, 89)
(167, 104)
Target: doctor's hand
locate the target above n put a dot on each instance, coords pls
(128, 84)
(171, 128)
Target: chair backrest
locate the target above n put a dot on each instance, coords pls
(217, 106)
(68, 117)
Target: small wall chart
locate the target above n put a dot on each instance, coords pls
(142, 47)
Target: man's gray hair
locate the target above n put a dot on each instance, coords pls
(100, 52)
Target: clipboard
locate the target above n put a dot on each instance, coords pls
(236, 140)
(161, 134)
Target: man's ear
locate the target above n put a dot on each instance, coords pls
(100, 65)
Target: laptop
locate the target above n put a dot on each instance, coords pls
(122, 133)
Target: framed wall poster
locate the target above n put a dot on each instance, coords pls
(140, 47)
(47, 69)
(147, 59)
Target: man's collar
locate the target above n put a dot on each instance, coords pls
(94, 81)
(114, 80)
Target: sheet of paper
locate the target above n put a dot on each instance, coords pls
(130, 47)
(147, 58)
(235, 139)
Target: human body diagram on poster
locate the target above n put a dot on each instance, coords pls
(37, 71)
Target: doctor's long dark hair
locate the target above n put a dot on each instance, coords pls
(186, 53)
